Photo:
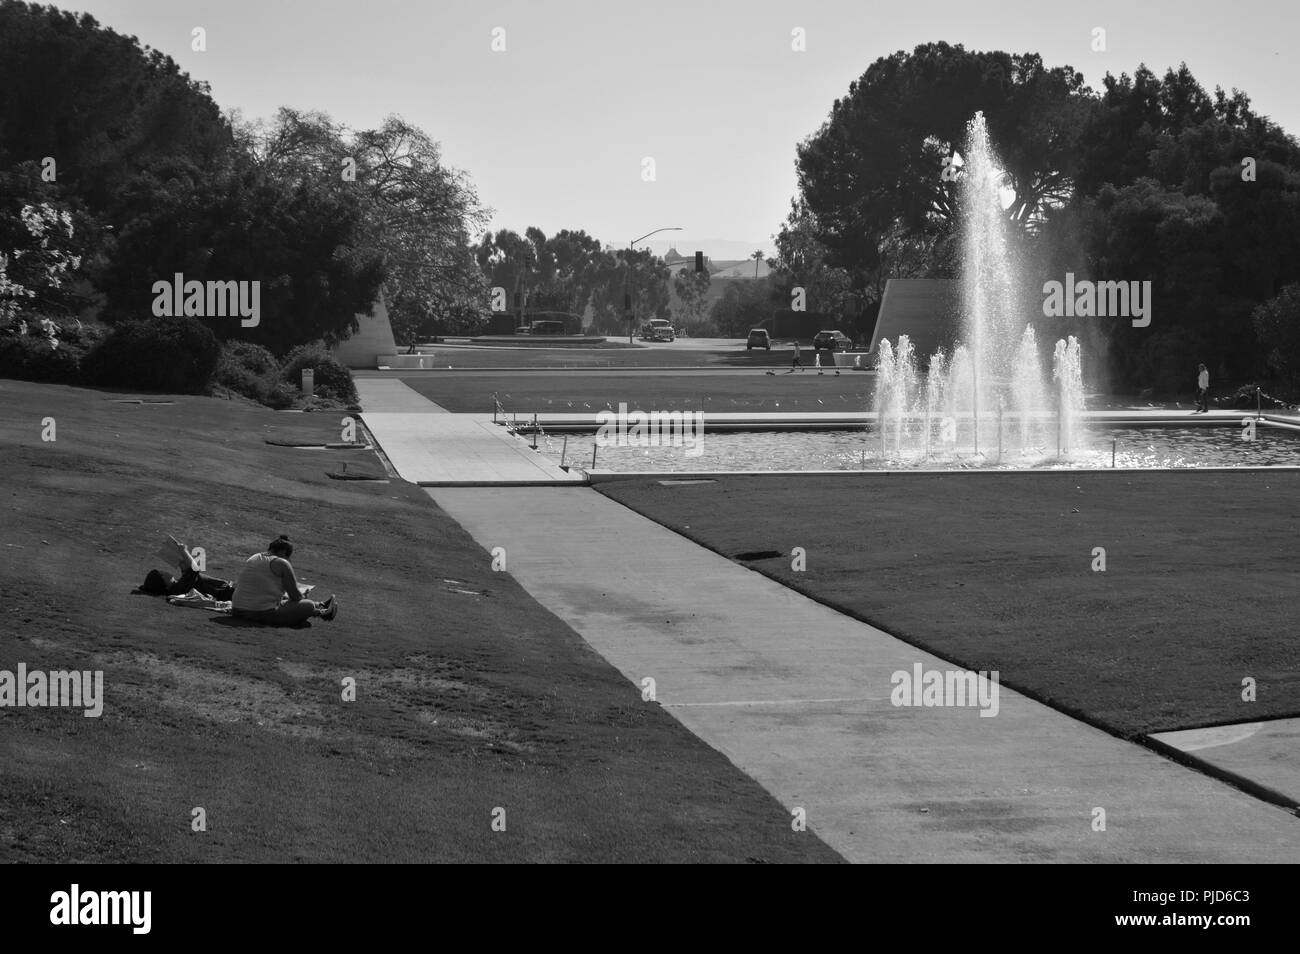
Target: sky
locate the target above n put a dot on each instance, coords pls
(554, 129)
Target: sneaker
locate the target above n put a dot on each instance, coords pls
(329, 602)
(333, 610)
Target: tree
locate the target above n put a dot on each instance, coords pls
(879, 160)
(417, 214)
(1172, 131)
(298, 239)
(639, 273)
(1277, 322)
(556, 273)
(757, 256)
(746, 303)
(40, 250)
(97, 103)
(692, 288)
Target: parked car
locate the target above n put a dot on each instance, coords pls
(657, 329)
(758, 338)
(832, 341)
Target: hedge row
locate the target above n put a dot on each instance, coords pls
(172, 356)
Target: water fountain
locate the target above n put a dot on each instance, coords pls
(990, 398)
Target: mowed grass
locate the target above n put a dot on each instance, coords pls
(525, 393)
(617, 355)
(466, 702)
(994, 572)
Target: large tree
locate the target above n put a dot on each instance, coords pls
(691, 288)
(558, 273)
(881, 157)
(417, 213)
(297, 238)
(97, 103)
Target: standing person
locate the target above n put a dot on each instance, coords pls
(267, 591)
(796, 363)
(1202, 391)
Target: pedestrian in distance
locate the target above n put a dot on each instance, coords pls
(796, 363)
(1202, 391)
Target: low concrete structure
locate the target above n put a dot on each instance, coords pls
(373, 343)
(927, 310)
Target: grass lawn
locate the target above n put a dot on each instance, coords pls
(623, 356)
(994, 571)
(465, 701)
(523, 393)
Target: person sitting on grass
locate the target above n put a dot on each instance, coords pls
(267, 591)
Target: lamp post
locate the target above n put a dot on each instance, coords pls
(627, 301)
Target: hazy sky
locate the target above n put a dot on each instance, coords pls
(553, 130)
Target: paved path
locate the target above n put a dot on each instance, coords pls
(798, 696)
(379, 395)
(1264, 752)
(428, 446)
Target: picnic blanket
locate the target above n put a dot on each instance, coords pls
(196, 600)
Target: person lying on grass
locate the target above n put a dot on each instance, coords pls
(267, 591)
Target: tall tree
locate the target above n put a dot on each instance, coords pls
(297, 239)
(96, 103)
(418, 214)
(880, 159)
(691, 288)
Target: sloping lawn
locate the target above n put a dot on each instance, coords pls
(465, 701)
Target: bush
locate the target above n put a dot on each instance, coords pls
(30, 358)
(84, 339)
(1277, 325)
(332, 379)
(248, 369)
(171, 355)
(280, 396)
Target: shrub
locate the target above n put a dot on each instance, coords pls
(280, 396)
(171, 355)
(248, 369)
(1277, 324)
(30, 358)
(333, 380)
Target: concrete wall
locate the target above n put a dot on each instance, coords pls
(924, 309)
(372, 341)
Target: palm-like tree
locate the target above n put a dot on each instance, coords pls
(757, 257)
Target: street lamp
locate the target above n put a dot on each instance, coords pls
(631, 331)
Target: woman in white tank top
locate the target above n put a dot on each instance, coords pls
(267, 590)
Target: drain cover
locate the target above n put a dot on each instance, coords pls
(682, 483)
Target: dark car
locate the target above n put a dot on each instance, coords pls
(758, 338)
(831, 341)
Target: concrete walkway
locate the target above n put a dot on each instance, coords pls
(430, 447)
(798, 697)
(1264, 752)
(380, 395)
